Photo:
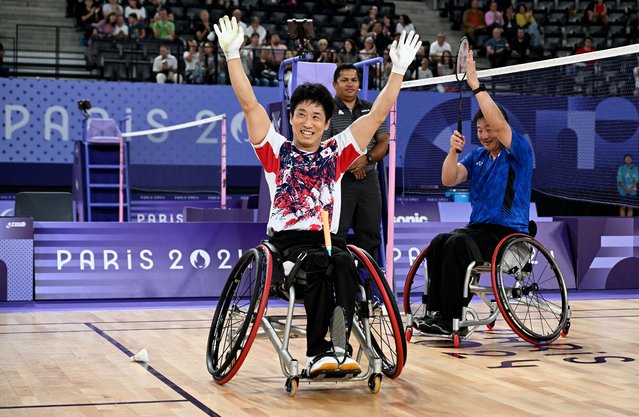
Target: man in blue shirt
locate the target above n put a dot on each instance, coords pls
(497, 49)
(500, 175)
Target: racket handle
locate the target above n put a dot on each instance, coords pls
(459, 129)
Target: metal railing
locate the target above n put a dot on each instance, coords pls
(48, 51)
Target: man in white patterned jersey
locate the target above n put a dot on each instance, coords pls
(304, 179)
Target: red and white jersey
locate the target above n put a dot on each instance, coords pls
(302, 184)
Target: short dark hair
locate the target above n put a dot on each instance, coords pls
(314, 93)
(627, 155)
(480, 115)
(344, 67)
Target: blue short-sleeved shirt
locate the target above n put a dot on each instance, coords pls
(500, 188)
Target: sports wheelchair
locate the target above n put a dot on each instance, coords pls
(242, 306)
(527, 288)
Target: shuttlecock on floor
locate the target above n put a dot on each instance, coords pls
(141, 356)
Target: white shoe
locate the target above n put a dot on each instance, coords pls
(321, 363)
(346, 363)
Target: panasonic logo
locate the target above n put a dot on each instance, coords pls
(416, 218)
(11, 225)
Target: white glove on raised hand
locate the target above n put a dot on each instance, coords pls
(403, 53)
(230, 36)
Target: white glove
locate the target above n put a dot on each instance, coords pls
(403, 53)
(230, 36)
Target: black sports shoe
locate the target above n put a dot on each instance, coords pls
(427, 319)
(440, 326)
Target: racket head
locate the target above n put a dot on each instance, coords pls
(462, 59)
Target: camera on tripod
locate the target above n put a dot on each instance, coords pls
(301, 30)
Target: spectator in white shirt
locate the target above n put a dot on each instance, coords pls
(135, 7)
(423, 71)
(404, 23)
(165, 66)
(121, 30)
(437, 48)
(112, 7)
(256, 28)
(237, 13)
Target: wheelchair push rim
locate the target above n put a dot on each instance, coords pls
(387, 332)
(238, 314)
(418, 308)
(526, 283)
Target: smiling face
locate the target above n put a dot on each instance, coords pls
(488, 137)
(308, 122)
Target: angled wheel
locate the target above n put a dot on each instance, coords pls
(375, 383)
(387, 331)
(415, 289)
(456, 340)
(566, 329)
(238, 314)
(292, 384)
(529, 289)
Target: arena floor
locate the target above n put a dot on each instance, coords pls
(72, 359)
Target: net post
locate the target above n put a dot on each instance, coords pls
(121, 184)
(223, 164)
(390, 243)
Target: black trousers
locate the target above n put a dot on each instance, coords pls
(322, 292)
(448, 256)
(362, 208)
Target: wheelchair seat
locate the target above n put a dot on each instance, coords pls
(527, 289)
(240, 312)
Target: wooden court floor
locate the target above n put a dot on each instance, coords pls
(75, 363)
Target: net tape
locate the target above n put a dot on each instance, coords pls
(537, 65)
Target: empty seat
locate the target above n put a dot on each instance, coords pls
(541, 17)
(558, 17)
(193, 13)
(182, 25)
(617, 17)
(574, 30)
(553, 30)
(545, 4)
(628, 5)
(566, 4)
(141, 72)
(262, 15)
(387, 9)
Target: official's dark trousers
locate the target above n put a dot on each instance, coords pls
(322, 292)
(362, 208)
(448, 256)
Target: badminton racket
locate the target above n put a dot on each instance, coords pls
(460, 76)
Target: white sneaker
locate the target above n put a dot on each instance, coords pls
(346, 363)
(321, 363)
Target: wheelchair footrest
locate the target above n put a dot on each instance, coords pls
(332, 375)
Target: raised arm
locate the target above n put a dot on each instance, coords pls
(489, 109)
(402, 54)
(231, 37)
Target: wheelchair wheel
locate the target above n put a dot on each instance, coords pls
(238, 314)
(415, 282)
(387, 332)
(529, 289)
